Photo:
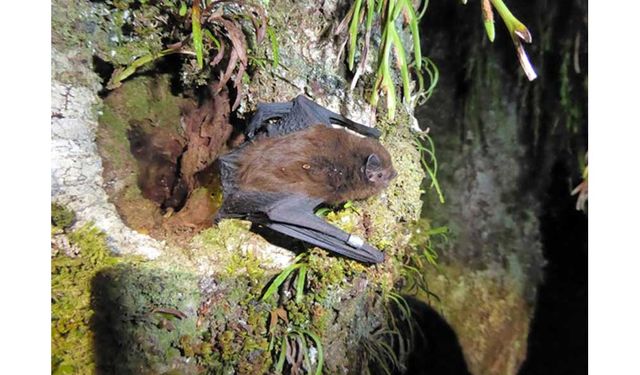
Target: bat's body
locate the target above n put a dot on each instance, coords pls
(319, 162)
(278, 179)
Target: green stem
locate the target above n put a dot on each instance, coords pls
(196, 33)
(353, 31)
(509, 19)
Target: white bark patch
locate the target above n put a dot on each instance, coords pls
(76, 166)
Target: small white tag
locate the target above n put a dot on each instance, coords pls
(355, 241)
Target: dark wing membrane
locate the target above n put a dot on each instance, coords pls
(294, 217)
(365, 253)
(299, 114)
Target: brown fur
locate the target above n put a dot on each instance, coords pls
(319, 162)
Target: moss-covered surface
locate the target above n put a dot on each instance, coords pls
(493, 261)
(198, 308)
(145, 100)
(488, 312)
(71, 312)
(61, 216)
(126, 316)
(142, 106)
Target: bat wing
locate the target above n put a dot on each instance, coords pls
(298, 114)
(292, 215)
(307, 112)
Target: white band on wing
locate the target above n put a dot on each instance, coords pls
(355, 241)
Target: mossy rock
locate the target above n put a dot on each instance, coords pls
(61, 216)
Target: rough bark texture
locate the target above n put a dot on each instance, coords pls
(196, 308)
(76, 167)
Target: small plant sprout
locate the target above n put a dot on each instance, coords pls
(122, 73)
(298, 264)
(295, 349)
(487, 17)
(428, 159)
(386, 350)
(217, 35)
(518, 31)
(389, 12)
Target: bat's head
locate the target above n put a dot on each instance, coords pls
(378, 169)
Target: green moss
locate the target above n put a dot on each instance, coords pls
(143, 99)
(247, 264)
(499, 315)
(62, 217)
(101, 304)
(71, 311)
(345, 219)
(227, 347)
(116, 144)
(186, 346)
(149, 309)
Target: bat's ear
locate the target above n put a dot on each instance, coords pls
(373, 167)
(373, 162)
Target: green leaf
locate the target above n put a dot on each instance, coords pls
(121, 74)
(415, 33)
(274, 46)
(490, 29)
(279, 280)
(318, 345)
(196, 33)
(353, 32)
(302, 274)
(323, 211)
(210, 35)
(402, 62)
(282, 276)
(431, 170)
(282, 356)
(438, 230)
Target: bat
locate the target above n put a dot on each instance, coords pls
(293, 161)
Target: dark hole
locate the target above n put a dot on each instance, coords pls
(127, 29)
(104, 71)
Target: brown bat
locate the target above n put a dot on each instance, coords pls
(277, 178)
